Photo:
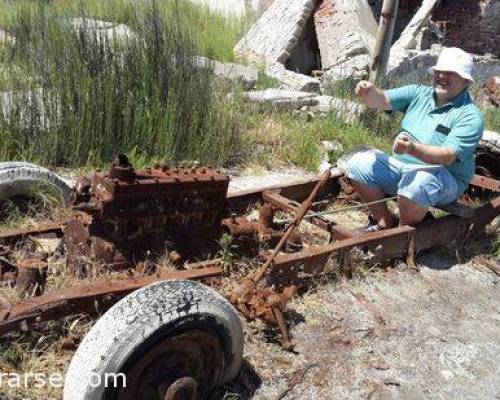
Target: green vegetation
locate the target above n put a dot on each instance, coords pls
(214, 34)
(227, 252)
(42, 204)
(283, 138)
(492, 119)
(82, 97)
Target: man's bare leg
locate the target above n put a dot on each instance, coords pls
(410, 213)
(380, 211)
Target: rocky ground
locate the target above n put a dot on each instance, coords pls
(397, 333)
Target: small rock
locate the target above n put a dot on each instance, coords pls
(447, 374)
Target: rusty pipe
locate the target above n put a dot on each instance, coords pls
(304, 207)
(383, 42)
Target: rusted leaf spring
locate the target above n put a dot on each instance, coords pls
(387, 244)
(86, 298)
(14, 235)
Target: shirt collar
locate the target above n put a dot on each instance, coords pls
(456, 101)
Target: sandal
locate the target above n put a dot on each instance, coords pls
(373, 226)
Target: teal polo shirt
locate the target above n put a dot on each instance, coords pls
(457, 125)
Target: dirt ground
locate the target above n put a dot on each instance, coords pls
(393, 334)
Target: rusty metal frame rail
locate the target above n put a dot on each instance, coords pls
(486, 183)
(11, 235)
(390, 243)
(92, 298)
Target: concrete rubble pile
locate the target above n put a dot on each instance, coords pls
(273, 39)
(310, 103)
(297, 39)
(471, 25)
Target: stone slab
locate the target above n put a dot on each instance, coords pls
(313, 103)
(275, 33)
(346, 32)
(293, 80)
(246, 74)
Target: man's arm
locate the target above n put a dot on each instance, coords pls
(427, 153)
(373, 96)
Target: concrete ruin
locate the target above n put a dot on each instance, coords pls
(448, 23)
(295, 39)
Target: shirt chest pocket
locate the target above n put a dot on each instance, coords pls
(440, 134)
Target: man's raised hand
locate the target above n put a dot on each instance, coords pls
(363, 88)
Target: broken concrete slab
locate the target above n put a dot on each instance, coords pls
(103, 30)
(246, 75)
(296, 38)
(291, 79)
(407, 40)
(404, 63)
(307, 102)
(355, 67)
(346, 110)
(346, 32)
(283, 98)
(410, 66)
(276, 32)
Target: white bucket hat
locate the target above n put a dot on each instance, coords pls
(453, 59)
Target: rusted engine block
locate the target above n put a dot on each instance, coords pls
(125, 216)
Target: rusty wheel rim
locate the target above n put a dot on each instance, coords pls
(195, 354)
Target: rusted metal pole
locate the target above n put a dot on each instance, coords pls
(384, 40)
(290, 228)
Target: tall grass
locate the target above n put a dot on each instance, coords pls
(86, 97)
(492, 119)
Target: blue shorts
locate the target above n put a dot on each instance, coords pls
(426, 185)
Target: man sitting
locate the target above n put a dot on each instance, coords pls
(433, 156)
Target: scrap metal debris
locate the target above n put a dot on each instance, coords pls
(128, 218)
(124, 216)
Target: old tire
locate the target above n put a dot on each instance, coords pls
(487, 155)
(23, 179)
(155, 336)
